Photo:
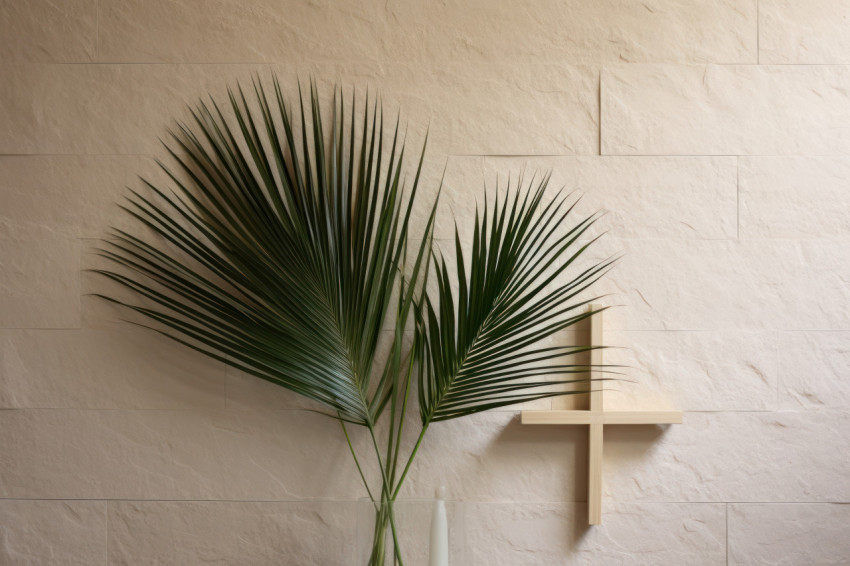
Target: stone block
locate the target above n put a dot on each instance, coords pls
(794, 197)
(610, 31)
(587, 32)
(803, 33)
(725, 110)
(73, 196)
(234, 532)
(39, 282)
(191, 455)
(644, 197)
(788, 533)
(64, 533)
(760, 284)
(813, 370)
(105, 369)
(557, 533)
(692, 371)
(49, 32)
(492, 457)
(730, 457)
(125, 109)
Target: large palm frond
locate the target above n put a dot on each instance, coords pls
(480, 348)
(281, 248)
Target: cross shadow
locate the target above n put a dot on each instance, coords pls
(566, 443)
(570, 444)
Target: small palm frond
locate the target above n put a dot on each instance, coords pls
(280, 254)
(480, 348)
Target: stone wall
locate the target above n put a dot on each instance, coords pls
(717, 133)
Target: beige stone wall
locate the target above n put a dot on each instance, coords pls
(717, 132)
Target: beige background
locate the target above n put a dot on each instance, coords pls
(717, 132)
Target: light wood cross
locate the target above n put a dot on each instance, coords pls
(596, 417)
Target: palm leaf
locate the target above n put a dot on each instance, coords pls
(279, 253)
(479, 346)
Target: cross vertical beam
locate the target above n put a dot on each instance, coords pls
(594, 443)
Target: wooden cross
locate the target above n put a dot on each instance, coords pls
(596, 418)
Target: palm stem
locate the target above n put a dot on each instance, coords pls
(394, 528)
(357, 463)
(410, 460)
(401, 420)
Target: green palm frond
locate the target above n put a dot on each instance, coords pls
(290, 246)
(480, 348)
(280, 246)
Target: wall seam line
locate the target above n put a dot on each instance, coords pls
(106, 546)
(758, 32)
(599, 105)
(737, 197)
(97, 30)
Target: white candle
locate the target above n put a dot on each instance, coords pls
(439, 531)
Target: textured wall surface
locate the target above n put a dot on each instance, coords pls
(717, 133)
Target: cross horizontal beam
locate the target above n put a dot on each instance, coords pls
(601, 417)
